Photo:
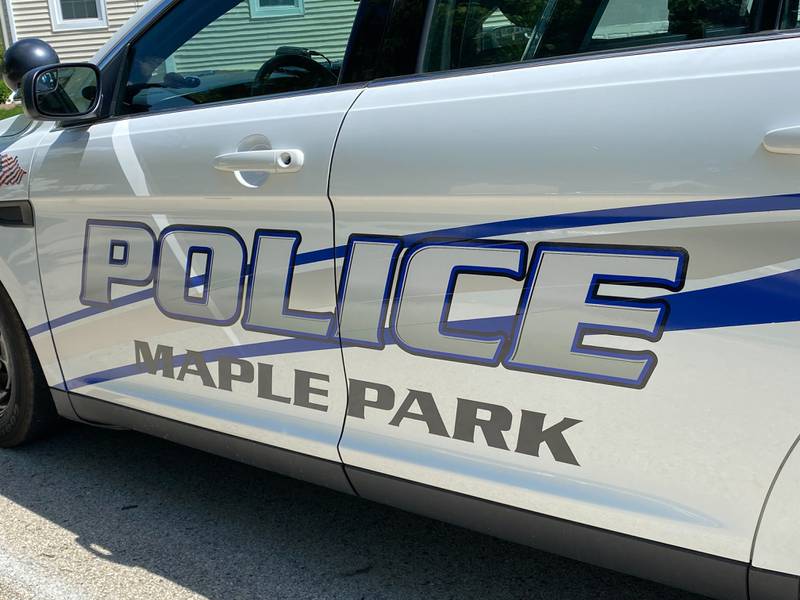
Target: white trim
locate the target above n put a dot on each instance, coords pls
(257, 11)
(59, 23)
(10, 26)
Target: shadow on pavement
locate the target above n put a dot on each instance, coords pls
(225, 530)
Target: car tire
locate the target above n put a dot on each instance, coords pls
(27, 411)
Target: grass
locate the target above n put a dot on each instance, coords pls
(5, 113)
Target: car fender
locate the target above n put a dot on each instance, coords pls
(19, 264)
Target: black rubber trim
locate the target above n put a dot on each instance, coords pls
(677, 567)
(768, 585)
(300, 466)
(16, 214)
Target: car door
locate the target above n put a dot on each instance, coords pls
(186, 238)
(570, 271)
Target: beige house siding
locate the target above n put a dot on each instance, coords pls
(31, 18)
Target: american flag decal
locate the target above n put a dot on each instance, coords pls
(10, 171)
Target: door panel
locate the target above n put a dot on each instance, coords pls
(129, 187)
(640, 373)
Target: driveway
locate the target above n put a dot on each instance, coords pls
(98, 514)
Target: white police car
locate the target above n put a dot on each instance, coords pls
(528, 266)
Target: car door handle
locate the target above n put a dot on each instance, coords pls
(783, 141)
(264, 161)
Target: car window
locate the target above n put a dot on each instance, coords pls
(473, 33)
(203, 52)
(789, 17)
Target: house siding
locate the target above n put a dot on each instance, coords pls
(32, 19)
(239, 41)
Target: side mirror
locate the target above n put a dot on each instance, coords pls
(68, 92)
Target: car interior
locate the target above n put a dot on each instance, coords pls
(475, 33)
(164, 71)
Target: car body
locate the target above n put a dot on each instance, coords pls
(554, 298)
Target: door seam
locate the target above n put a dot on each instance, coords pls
(337, 308)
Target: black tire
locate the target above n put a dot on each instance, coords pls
(27, 411)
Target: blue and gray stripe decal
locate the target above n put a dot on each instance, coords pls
(771, 299)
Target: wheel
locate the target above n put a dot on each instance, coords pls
(27, 411)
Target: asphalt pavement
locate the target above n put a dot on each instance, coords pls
(94, 514)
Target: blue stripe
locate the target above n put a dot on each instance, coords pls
(773, 299)
(143, 295)
(636, 214)
(289, 346)
(90, 312)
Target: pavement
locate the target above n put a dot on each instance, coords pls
(95, 514)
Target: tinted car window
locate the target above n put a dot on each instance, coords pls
(790, 16)
(472, 33)
(204, 52)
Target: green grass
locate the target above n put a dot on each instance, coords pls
(4, 114)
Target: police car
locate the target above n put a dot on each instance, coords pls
(528, 266)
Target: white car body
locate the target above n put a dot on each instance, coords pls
(644, 168)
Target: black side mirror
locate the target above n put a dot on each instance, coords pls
(68, 92)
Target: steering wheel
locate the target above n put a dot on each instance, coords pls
(172, 81)
(310, 71)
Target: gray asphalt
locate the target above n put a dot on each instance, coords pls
(99, 514)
